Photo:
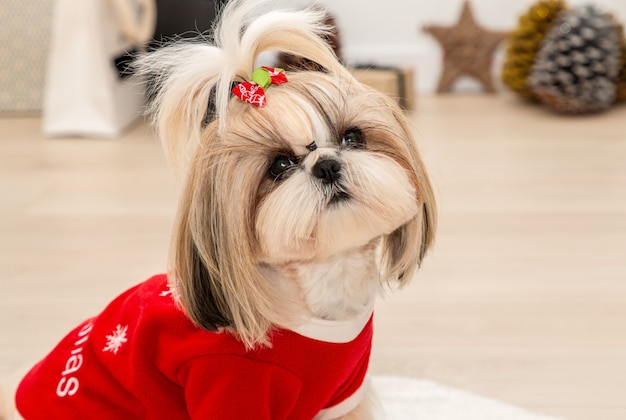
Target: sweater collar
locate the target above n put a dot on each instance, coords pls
(343, 331)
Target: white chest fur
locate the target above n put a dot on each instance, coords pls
(336, 288)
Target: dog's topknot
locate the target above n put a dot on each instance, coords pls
(184, 75)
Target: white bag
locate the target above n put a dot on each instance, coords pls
(84, 95)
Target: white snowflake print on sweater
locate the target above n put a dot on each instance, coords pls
(171, 292)
(116, 339)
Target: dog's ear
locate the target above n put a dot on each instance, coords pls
(405, 248)
(213, 253)
(199, 292)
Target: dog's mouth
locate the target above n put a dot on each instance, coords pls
(339, 197)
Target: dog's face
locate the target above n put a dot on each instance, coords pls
(328, 166)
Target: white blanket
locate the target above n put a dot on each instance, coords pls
(411, 399)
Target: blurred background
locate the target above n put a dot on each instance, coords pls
(386, 34)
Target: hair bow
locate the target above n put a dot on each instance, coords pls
(253, 92)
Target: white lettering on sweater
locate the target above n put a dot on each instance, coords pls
(68, 384)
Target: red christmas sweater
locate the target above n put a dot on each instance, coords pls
(142, 358)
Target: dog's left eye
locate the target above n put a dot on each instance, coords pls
(280, 164)
(352, 138)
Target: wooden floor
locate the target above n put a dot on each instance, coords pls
(523, 298)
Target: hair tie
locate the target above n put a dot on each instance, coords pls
(253, 92)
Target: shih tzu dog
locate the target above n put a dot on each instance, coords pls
(304, 196)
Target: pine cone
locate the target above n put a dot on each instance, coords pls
(621, 80)
(524, 42)
(578, 63)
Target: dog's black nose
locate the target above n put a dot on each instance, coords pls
(328, 170)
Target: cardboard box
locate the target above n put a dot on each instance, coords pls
(397, 82)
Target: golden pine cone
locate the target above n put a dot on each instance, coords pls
(524, 42)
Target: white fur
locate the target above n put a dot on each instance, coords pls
(336, 288)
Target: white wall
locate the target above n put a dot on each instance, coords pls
(389, 32)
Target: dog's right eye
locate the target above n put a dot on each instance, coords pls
(280, 164)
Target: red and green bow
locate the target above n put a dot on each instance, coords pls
(253, 92)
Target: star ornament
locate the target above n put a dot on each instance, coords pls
(468, 50)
